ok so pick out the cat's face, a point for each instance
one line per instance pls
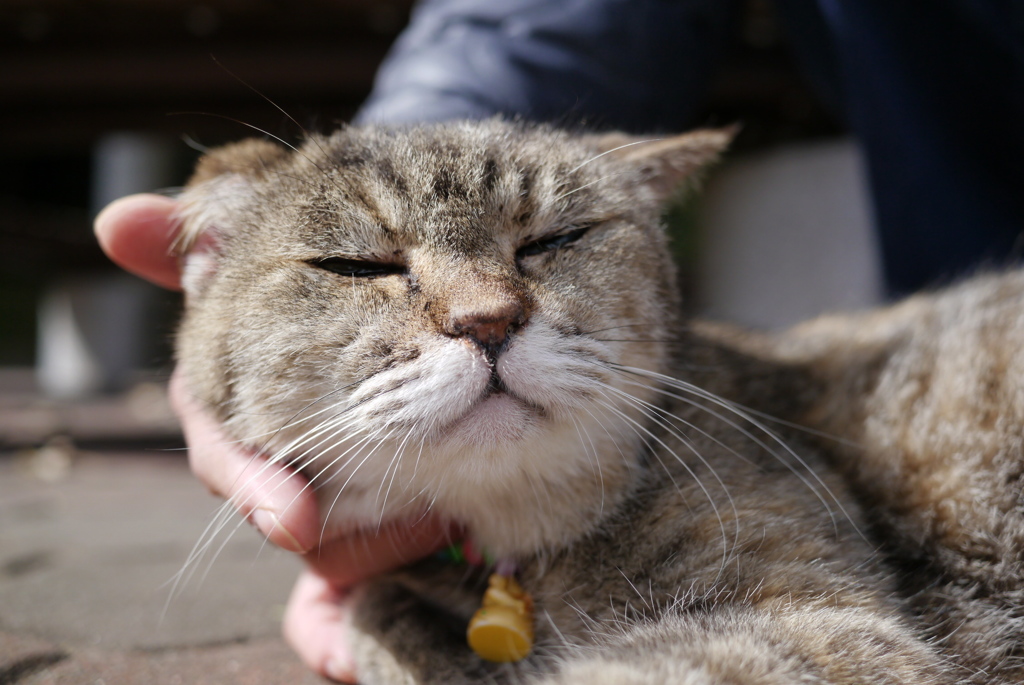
(442, 317)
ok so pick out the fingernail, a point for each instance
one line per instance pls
(270, 525)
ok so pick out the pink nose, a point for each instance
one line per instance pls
(488, 328)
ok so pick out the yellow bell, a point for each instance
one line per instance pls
(501, 630)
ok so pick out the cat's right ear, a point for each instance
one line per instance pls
(221, 185)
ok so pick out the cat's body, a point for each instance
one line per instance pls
(481, 320)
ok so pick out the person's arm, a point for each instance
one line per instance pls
(637, 65)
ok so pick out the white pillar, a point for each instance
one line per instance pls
(92, 328)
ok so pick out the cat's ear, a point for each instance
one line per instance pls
(667, 164)
(222, 183)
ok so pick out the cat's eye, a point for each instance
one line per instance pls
(357, 268)
(553, 243)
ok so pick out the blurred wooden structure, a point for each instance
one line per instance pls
(71, 69)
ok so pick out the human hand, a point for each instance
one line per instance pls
(137, 232)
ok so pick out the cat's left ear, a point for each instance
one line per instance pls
(668, 164)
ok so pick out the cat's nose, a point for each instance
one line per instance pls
(490, 327)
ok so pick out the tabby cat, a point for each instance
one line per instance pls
(481, 320)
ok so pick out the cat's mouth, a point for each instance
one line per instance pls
(496, 384)
(497, 415)
(497, 389)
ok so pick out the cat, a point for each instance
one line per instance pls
(481, 319)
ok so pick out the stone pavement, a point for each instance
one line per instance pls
(91, 532)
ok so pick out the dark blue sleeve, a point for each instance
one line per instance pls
(631, 64)
(934, 92)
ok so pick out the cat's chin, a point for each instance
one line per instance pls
(497, 419)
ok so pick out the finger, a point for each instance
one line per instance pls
(364, 554)
(137, 233)
(315, 625)
(274, 498)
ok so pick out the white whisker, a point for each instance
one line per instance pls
(742, 413)
(587, 185)
(644, 431)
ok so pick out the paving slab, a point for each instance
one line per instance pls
(256, 662)
(88, 554)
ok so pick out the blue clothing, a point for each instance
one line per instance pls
(934, 91)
